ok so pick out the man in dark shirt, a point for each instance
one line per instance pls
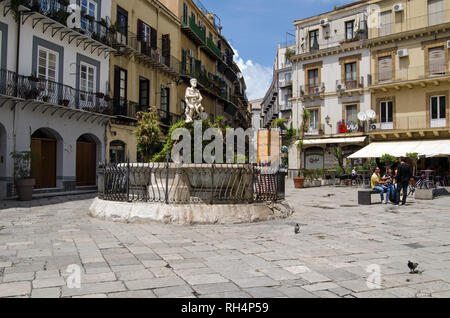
(403, 176)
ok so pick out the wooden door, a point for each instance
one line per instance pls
(86, 163)
(43, 163)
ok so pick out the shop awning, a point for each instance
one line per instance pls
(333, 141)
(427, 148)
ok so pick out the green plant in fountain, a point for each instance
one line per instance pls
(148, 134)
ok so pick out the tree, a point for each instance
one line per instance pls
(388, 160)
(339, 158)
(148, 134)
(414, 156)
(278, 122)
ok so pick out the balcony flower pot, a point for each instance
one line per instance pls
(32, 93)
(45, 98)
(299, 182)
(90, 18)
(100, 95)
(64, 102)
(33, 78)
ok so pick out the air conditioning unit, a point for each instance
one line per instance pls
(402, 53)
(324, 22)
(375, 126)
(448, 44)
(398, 7)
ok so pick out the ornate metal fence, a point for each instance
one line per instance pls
(190, 183)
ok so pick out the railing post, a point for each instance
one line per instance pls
(128, 178)
(212, 184)
(167, 177)
(252, 190)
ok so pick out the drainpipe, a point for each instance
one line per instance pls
(17, 79)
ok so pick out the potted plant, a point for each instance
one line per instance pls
(32, 93)
(90, 18)
(100, 95)
(33, 78)
(23, 180)
(299, 181)
(45, 98)
(64, 102)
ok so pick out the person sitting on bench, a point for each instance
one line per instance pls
(376, 184)
(388, 182)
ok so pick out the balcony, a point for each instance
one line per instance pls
(334, 40)
(208, 81)
(127, 108)
(285, 84)
(211, 47)
(143, 53)
(348, 127)
(349, 86)
(406, 76)
(411, 23)
(194, 31)
(167, 118)
(52, 95)
(317, 130)
(52, 15)
(312, 90)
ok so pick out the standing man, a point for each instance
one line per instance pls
(403, 176)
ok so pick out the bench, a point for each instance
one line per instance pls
(365, 196)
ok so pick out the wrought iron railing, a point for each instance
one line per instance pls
(190, 183)
(34, 88)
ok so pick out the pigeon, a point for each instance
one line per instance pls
(297, 229)
(412, 266)
(2, 227)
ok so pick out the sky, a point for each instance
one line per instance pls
(255, 27)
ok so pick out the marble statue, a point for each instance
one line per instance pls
(194, 108)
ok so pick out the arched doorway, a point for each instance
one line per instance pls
(117, 151)
(86, 160)
(46, 150)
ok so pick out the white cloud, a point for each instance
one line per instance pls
(257, 77)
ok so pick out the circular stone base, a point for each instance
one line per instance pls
(189, 213)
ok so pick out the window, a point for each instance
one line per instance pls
(287, 77)
(437, 111)
(144, 35)
(385, 23)
(349, 30)
(144, 95)
(313, 80)
(350, 75)
(386, 115)
(436, 61)
(436, 12)
(122, 23)
(47, 61)
(185, 14)
(314, 120)
(351, 114)
(314, 40)
(165, 95)
(120, 91)
(385, 69)
(87, 82)
(90, 9)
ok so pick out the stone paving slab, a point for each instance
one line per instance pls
(338, 242)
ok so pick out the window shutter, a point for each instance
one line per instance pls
(154, 39)
(166, 48)
(385, 69)
(436, 60)
(139, 30)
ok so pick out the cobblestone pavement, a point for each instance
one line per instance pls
(330, 257)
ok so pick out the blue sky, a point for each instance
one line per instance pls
(255, 27)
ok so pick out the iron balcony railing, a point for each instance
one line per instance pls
(199, 31)
(410, 24)
(312, 89)
(349, 126)
(213, 47)
(401, 121)
(332, 40)
(350, 84)
(171, 183)
(409, 74)
(167, 118)
(124, 107)
(208, 80)
(34, 88)
(57, 10)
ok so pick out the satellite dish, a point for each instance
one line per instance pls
(371, 114)
(362, 116)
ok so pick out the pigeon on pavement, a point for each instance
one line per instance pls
(297, 228)
(412, 266)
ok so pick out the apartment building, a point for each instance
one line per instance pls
(53, 82)
(145, 71)
(330, 74)
(410, 79)
(277, 101)
(256, 113)
(207, 56)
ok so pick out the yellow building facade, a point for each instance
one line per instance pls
(145, 71)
